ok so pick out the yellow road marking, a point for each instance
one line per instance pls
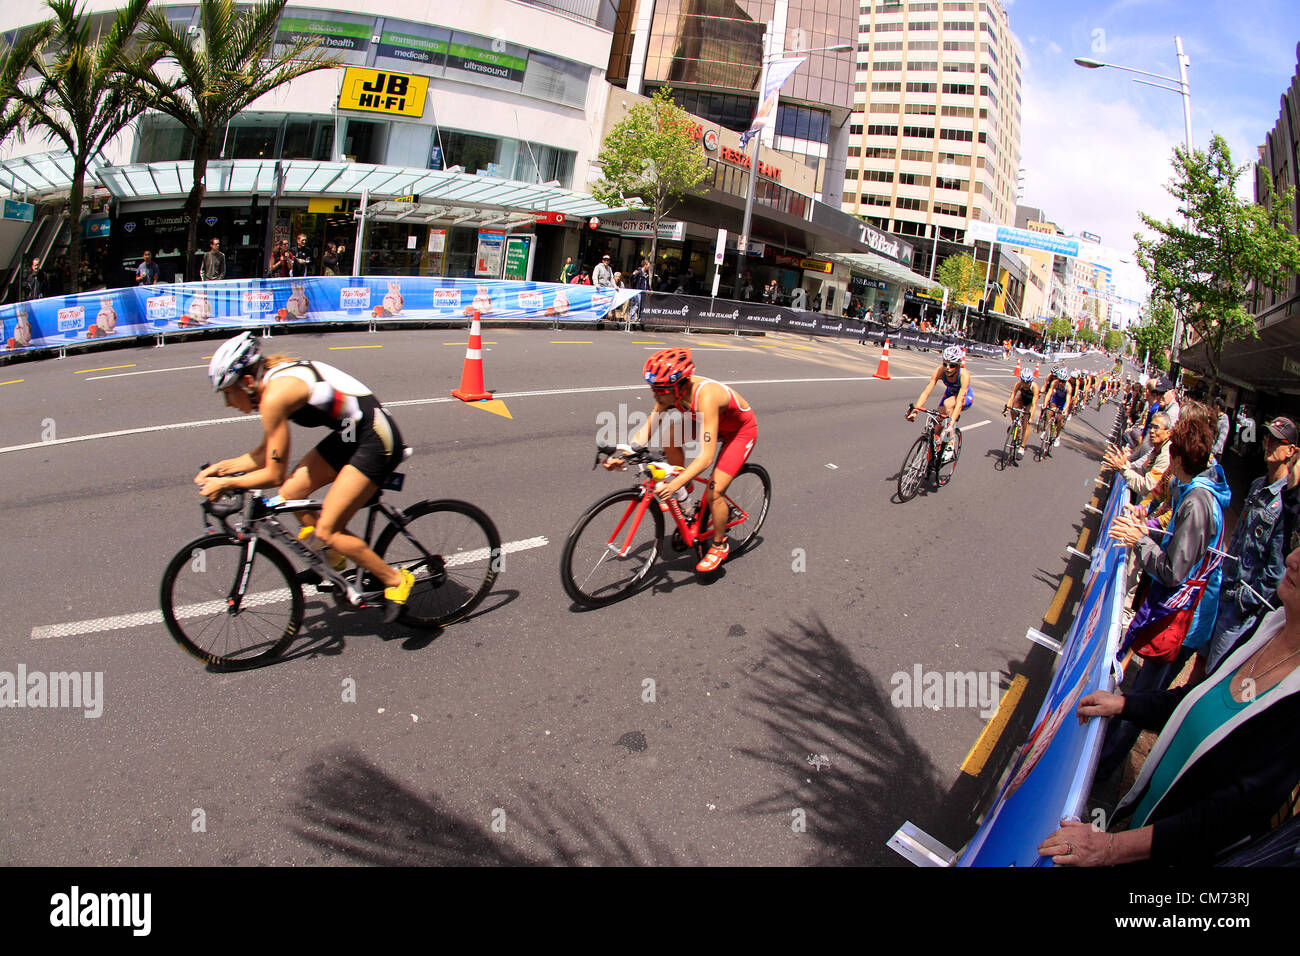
(493, 405)
(1083, 540)
(340, 348)
(12, 382)
(106, 368)
(988, 740)
(1058, 603)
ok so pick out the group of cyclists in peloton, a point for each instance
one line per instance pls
(1059, 398)
(364, 445)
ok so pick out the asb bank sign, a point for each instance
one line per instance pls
(382, 91)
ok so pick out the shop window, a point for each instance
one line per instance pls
(365, 142)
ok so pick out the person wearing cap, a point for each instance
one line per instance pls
(1221, 427)
(1168, 398)
(1258, 546)
(603, 274)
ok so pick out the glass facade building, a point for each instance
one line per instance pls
(710, 53)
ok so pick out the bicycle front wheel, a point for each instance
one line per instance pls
(1008, 448)
(454, 551)
(205, 615)
(915, 466)
(944, 471)
(609, 552)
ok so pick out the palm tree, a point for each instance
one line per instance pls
(60, 83)
(232, 65)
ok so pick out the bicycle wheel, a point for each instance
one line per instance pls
(593, 568)
(196, 593)
(457, 558)
(915, 466)
(944, 470)
(1008, 449)
(748, 497)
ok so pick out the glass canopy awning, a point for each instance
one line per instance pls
(878, 267)
(303, 177)
(50, 173)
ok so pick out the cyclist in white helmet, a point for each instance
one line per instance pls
(363, 447)
(1023, 397)
(958, 394)
(1057, 394)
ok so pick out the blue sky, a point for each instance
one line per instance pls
(1096, 147)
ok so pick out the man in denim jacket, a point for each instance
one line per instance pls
(1258, 544)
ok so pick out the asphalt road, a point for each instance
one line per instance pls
(524, 734)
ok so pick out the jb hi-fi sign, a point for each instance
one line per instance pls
(709, 139)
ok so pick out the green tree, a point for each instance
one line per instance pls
(651, 161)
(1058, 329)
(1113, 339)
(1088, 336)
(1154, 333)
(205, 82)
(61, 83)
(962, 278)
(1203, 265)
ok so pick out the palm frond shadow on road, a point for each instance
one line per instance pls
(816, 701)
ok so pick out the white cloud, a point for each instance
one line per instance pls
(1092, 164)
(1054, 48)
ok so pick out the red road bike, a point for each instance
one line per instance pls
(611, 549)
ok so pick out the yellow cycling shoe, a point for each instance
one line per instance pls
(396, 596)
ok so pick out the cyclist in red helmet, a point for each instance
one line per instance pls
(722, 418)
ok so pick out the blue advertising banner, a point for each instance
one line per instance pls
(1051, 776)
(238, 303)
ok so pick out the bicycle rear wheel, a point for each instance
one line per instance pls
(748, 497)
(455, 557)
(593, 568)
(1008, 449)
(196, 597)
(915, 466)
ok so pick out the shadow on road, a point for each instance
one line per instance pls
(348, 807)
(815, 702)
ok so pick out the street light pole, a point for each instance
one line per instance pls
(1184, 90)
(742, 243)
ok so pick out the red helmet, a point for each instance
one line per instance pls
(668, 367)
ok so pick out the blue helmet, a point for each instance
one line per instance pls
(1026, 375)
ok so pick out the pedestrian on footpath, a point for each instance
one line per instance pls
(214, 263)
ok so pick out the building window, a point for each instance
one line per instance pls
(924, 109)
(917, 155)
(893, 66)
(922, 87)
(917, 46)
(960, 89)
(923, 66)
(948, 209)
(921, 132)
(961, 135)
(884, 107)
(913, 179)
(959, 46)
(886, 87)
(881, 130)
(915, 205)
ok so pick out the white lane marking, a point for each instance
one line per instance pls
(259, 599)
(151, 371)
(966, 428)
(433, 401)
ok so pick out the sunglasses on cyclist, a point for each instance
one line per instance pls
(952, 365)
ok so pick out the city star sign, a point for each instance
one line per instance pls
(381, 91)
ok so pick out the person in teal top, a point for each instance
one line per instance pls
(1227, 758)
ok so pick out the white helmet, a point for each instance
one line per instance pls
(953, 353)
(232, 360)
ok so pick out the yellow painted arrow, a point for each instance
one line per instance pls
(493, 405)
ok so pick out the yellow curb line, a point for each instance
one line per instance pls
(988, 740)
(106, 368)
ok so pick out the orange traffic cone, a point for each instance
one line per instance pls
(1016, 373)
(882, 370)
(471, 377)
(1037, 366)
